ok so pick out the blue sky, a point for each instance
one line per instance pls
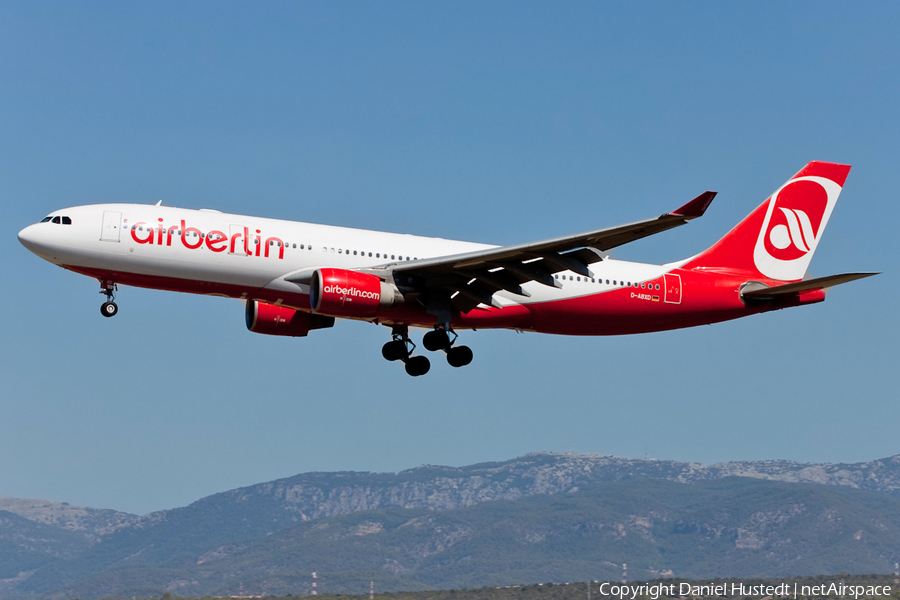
(496, 122)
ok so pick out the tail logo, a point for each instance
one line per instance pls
(796, 214)
(795, 233)
(795, 220)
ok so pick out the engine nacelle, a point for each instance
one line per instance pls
(346, 293)
(269, 319)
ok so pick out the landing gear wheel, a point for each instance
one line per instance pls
(436, 340)
(417, 365)
(459, 356)
(108, 288)
(394, 350)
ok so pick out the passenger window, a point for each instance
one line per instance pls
(370, 255)
(377, 255)
(642, 285)
(354, 253)
(339, 250)
(392, 257)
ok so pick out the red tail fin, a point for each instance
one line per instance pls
(778, 239)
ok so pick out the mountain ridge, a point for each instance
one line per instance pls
(731, 527)
(879, 475)
(488, 484)
(165, 539)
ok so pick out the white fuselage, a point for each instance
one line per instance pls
(237, 252)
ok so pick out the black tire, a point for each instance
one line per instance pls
(459, 356)
(394, 350)
(436, 340)
(109, 309)
(417, 365)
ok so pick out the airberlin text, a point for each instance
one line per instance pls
(244, 241)
(351, 292)
(783, 590)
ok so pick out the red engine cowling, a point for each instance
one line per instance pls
(269, 319)
(346, 293)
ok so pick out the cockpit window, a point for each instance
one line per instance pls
(66, 221)
(55, 220)
(45, 219)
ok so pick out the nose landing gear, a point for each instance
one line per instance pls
(439, 339)
(108, 308)
(401, 348)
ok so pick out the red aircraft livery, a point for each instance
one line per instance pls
(297, 277)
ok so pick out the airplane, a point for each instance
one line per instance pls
(298, 277)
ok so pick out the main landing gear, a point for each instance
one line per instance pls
(108, 308)
(401, 348)
(439, 339)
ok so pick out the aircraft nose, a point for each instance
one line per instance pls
(28, 237)
(35, 238)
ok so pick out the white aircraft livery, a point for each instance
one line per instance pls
(298, 277)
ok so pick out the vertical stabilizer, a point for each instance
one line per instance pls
(778, 239)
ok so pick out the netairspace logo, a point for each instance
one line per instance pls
(783, 590)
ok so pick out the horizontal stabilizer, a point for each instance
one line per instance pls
(757, 291)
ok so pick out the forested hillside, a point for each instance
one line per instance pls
(537, 518)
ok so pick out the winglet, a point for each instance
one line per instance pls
(696, 207)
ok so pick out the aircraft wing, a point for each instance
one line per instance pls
(471, 278)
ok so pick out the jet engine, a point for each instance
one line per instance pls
(269, 319)
(346, 293)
